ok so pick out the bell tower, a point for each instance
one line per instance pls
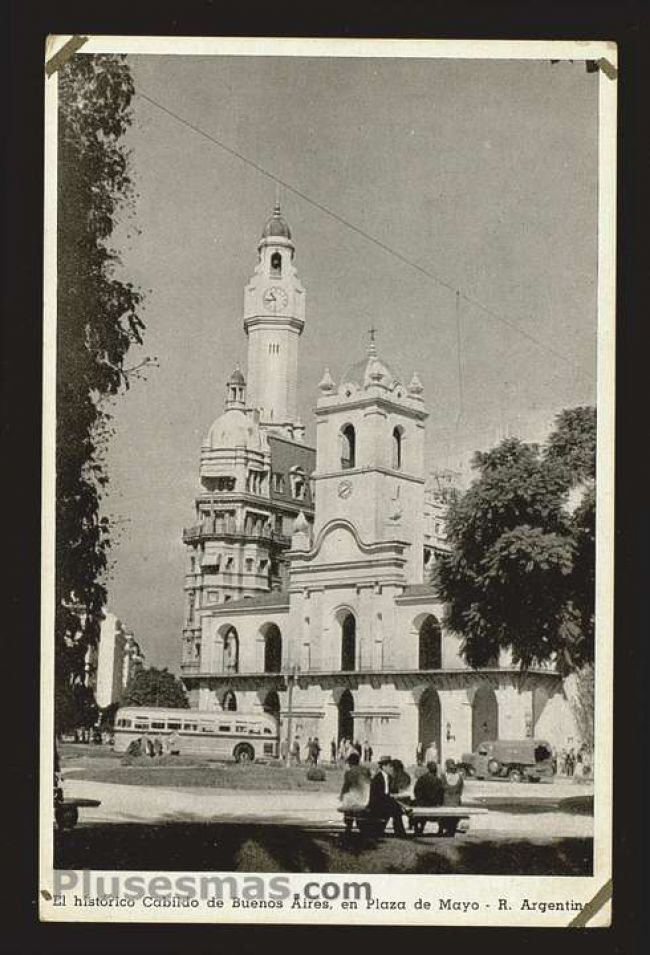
(274, 317)
(370, 457)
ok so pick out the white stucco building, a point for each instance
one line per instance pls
(353, 623)
(114, 661)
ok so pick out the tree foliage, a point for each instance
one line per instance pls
(521, 574)
(97, 323)
(153, 687)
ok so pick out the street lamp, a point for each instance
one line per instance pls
(291, 677)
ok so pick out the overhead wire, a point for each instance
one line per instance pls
(497, 316)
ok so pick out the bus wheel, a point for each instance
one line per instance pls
(515, 776)
(244, 753)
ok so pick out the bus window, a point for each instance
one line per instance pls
(141, 726)
(225, 728)
(190, 726)
(159, 725)
(207, 727)
(171, 725)
(125, 723)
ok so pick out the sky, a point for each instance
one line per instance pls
(481, 173)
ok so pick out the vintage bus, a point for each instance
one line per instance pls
(243, 737)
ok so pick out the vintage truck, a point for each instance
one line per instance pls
(516, 759)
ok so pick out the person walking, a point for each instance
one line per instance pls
(308, 751)
(419, 753)
(284, 749)
(295, 750)
(428, 791)
(333, 751)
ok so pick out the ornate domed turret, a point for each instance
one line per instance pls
(371, 370)
(277, 226)
(236, 389)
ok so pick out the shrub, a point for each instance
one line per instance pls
(316, 775)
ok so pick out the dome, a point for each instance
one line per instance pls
(237, 377)
(370, 370)
(235, 429)
(276, 226)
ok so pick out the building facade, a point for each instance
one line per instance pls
(115, 660)
(347, 641)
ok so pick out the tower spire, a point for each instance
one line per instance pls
(276, 211)
(372, 348)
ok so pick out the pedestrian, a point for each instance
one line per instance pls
(157, 747)
(419, 753)
(431, 755)
(315, 750)
(295, 750)
(365, 751)
(308, 751)
(333, 751)
(284, 749)
(370, 751)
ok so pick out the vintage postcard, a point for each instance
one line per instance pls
(327, 630)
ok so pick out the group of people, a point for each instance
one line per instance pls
(572, 763)
(145, 746)
(307, 751)
(339, 753)
(385, 795)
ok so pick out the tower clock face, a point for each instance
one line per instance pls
(275, 299)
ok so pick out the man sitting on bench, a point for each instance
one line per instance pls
(382, 805)
(428, 791)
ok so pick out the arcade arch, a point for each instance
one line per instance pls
(485, 715)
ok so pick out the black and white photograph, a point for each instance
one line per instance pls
(328, 481)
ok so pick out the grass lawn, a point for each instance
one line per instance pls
(171, 772)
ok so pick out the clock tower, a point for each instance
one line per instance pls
(274, 317)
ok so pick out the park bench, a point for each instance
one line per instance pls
(66, 811)
(448, 819)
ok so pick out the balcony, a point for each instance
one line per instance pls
(227, 530)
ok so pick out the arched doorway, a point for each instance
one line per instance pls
(430, 644)
(349, 643)
(271, 704)
(229, 701)
(231, 651)
(429, 726)
(485, 716)
(272, 649)
(346, 723)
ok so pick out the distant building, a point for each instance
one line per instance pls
(115, 660)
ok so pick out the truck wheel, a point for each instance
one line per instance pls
(494, 767)
(244, 753)
(515, 775)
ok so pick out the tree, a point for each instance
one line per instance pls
(520, 574)
(97, 323)
(152, 687)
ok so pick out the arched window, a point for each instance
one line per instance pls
(231, 652)
(229, 702)
(348, 447)
(349, 644)
(430, 645)
(397, 449)
(272, 649)
(276, 264)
